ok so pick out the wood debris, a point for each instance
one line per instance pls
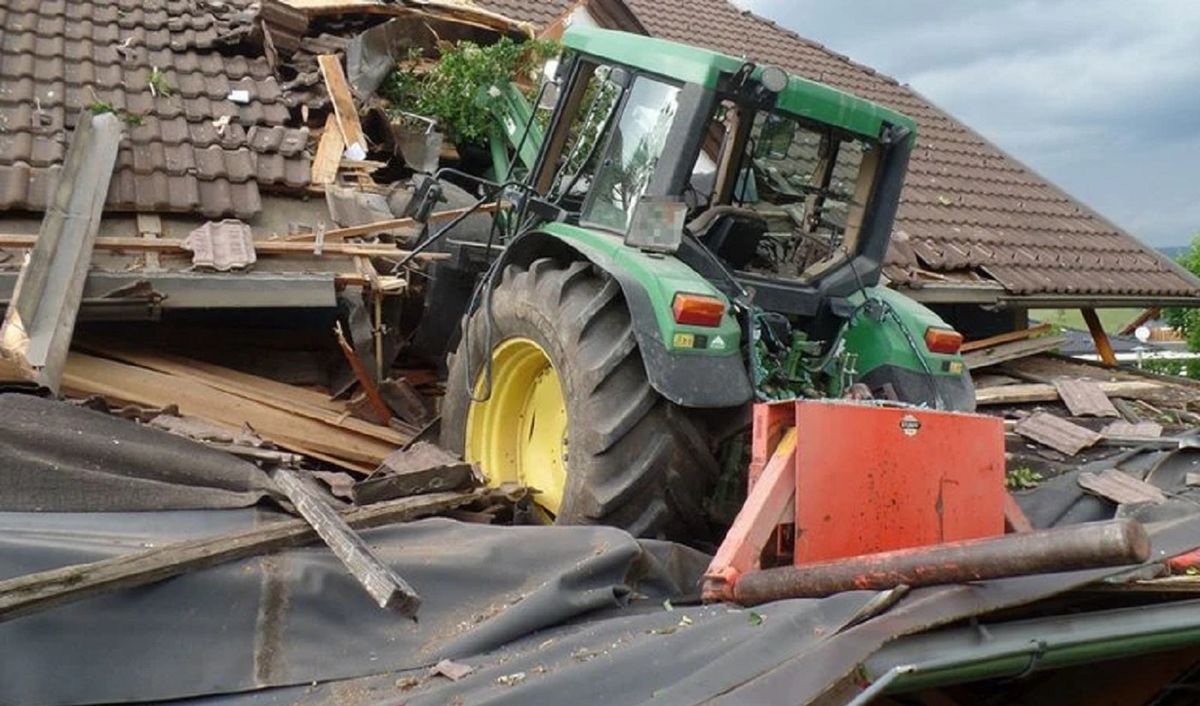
(1057, 433)
(422, 468)
(388, 589)
(293, 418)
(40, 591)
(1004, 352)
(1120, 488)
(1039, 392)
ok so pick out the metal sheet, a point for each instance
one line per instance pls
(924, 477)
(40, 318)
(1057, 433)
(1085, 398)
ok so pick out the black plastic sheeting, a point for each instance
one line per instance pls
(545, 615)
(297, 618)
(58, 457)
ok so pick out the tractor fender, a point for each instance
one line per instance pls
(688, 380)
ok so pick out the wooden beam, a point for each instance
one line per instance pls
(363, 376)
(1099, 337)
(150, 226)
(1005, 338)
(343, 104)
(329, 153)
(384, 226)
(1040, 392)
(40, 591)
(261, 247)
(388, 589)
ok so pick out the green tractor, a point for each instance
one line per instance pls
(688, 234)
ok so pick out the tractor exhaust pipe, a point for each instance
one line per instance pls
(1086, 546)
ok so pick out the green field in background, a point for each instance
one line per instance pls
(1112, 319)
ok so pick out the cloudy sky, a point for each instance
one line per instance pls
(1101, 97)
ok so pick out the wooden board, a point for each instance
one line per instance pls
(40, 591)
(1039, 392)
(309, 403)
(1005, 338)
(343, 102)
(290, 429)
(261, 247)
(387, 225)
(993, 355)
(329, 153)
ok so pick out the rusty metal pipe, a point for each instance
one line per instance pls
(1086, 546)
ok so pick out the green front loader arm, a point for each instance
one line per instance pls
(513, 128)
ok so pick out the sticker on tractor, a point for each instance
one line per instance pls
(910, 425)
(718, 343)
(954, 366)
(684, 340)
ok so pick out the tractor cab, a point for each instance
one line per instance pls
(791, 184)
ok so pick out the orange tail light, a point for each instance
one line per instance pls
(697, 310)
(941, 340)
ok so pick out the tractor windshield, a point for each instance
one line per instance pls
(633, 148)
(810, 186)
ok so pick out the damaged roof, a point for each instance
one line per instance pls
(170, 67)
(971, 216)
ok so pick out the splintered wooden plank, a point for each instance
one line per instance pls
(329, 153)
(1005, 338)
(40, 591)
(1085, 398)
(1120, 488)
(291, 430)
(388, 589)
(343, 104)
(1057, 433)
(983, 357)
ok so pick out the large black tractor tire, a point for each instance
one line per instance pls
(635, 460)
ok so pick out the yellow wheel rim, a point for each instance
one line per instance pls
(520, 433)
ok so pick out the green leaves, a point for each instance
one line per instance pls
(455, 91)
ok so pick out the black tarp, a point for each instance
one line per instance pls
(55, 456)
(296, 618)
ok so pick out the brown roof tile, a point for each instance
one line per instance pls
(968, 210)
(57, 57)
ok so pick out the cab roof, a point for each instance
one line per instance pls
(682, 62)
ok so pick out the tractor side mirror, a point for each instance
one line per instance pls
(657, 225)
